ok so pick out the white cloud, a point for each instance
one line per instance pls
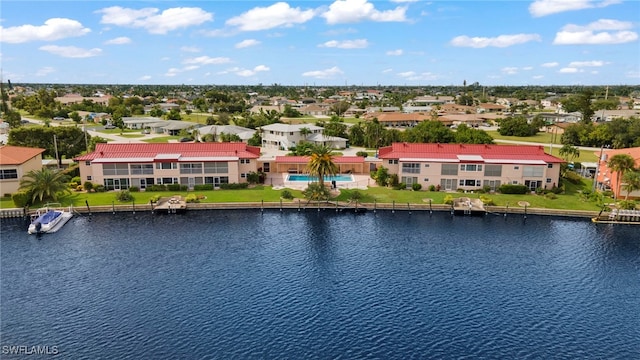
(509, 70)
(206, 60)
(500, 41)
(547, 7)
(324, 74)
(71, 51)
(577, 64)
(154, 21)
(569, 70)
(346, 44)
(403, 1)
(175, 71)
(247, 43)
(144, 77)
(550, 64)
(601, 32)
(277, 15)
(118, 41)
(247, 73)
(351, 11)
(53, 29)
(45, 71)
(396, 52)
(190, 49)
(385, 71)
(413, 76)
(537, 77)
(527, 68)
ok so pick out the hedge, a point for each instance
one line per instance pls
(513, 189)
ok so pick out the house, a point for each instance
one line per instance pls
(469, 167)
(490, 108)
(398, 119)
(217, 130)
(315, 110)
(607, 179)
(121, 166)
(15, 161)
(159, 126)
(284, 136)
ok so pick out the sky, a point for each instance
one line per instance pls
(321, 43)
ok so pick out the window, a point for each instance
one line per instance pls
(245, 161)
(138, 169)
(548, 180)
(449, 169)
(216, 168)
(469, 182)
(115, 169)
(88, 163)
(166, 166)
(243, 175)
(89, 178)
(532, 171)
(8, 174)
(515, 182)
(167, 180)
(516, 167)
(393, 161)
(493, 170)
(550, 166)
(470, 167)
(411, 168)
(191, 168)
(426, 165)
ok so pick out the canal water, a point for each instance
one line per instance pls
(310, 284)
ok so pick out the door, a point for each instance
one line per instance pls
(192, 183)
(116, 184)
(143, 184)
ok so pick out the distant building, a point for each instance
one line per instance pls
(608, 179)
(15, 162)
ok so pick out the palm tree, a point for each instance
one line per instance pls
(44, 184)
(304, 132)
(569, 152)
(321, 163)
(620, 164)
(631, 182)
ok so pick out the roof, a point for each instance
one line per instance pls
(149, 152)
(17, 155)
(468, 152)
(289, 127)
(305, 159)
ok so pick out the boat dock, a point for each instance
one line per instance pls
(616, 216)
(468, 206)
(170, 205)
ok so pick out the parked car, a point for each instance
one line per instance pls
(186, 139)
(109, 126)
(146, 131)
(58, 118)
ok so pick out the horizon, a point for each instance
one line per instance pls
(343, 43)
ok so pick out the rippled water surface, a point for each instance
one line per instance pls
(303, 285)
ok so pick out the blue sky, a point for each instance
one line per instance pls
(342, 42)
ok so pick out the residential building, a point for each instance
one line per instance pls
(284, 136)
(121, 166)
(15, 162)
(469, 167)
(218, 130)
(607, 179)
(299, 164)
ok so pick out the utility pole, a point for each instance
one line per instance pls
(595, 176)
(55, 146)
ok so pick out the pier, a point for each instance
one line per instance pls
(468, 206)
(171, 205)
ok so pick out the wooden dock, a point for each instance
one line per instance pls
(468, 206)
(170, 205)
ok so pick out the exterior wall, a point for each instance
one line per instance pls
(10, 186)
(273, 139)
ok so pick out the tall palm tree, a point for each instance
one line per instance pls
(631, 181)
(620, 164)
(44, 184)
(321, 163)
(569, 152)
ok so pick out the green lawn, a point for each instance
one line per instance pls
(545, 138)
(162, 139)
(132, 136)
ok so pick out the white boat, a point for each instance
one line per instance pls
(49, 219)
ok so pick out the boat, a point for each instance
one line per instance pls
(618, 216)
(49, 219)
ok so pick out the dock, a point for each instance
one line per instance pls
(170, 205)
(468, 206)
(618, 216)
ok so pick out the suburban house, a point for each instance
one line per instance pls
(15, 161)
(469, 167)
(607, 179)
(285, 136)
(121, 166)
(217, 130)
(398, 119)
(158, 126)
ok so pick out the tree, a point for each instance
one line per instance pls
(631, 182)
(44, 184)
(340, 108)
(304, 132)
(517, 126)
(316, 192)
(321, 163)
(620, 164)
(569, 152)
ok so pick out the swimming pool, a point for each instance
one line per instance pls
(309, 178)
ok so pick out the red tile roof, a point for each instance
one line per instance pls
(16, 155)
(187, 150)
(305, 159)
(451, 152)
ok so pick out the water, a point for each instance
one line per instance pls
(308, 178)
(322, 285)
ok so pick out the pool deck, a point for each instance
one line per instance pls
(279, 181)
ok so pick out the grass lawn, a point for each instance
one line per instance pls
(162, 139)
(545, 138)
(132, 136)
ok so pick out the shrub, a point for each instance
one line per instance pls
(154, 198)
(234, 186)
(627, 205)
(76, 179)
(416, 187)
(253, 177)
(176, 187)
(460, 190)
(88, 185)
(551, 196)
(355, 195)
(487, 200)
(192, 198)
(607, 193)
(362, 153)
(21, 198)
(573, 177)
(99, 188)
(513, 189)
(286, 194)
(124, 196)
(157, 187)
(316, 192)
(134, 189)
(448, 199)
(432, 188)
(203, 187)
(400, 186)
(79, 188)
(486, 188)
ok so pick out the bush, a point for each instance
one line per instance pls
(400, 186)
(487, 200)
(203, 187)
(234, 186)
(75, 179)
(432, 188)
(627, 205)
(364, 154)
(551, 196)
(100, 188)
(157, 187)
(177, 187)
(607, 193)
(416, 187)
(124, 196)
(573, 177)
(88, 185)
(316, 192)
(513, 189)
(79, 188)
(21, 198)
(154, 199)
(355, 195)
(286, 194)
(192, 198)
(134, 189)
(448, 199)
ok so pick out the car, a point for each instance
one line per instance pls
(58, 118)
(109, 126)
(23, 121)
(186, 139)
(146, 131)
